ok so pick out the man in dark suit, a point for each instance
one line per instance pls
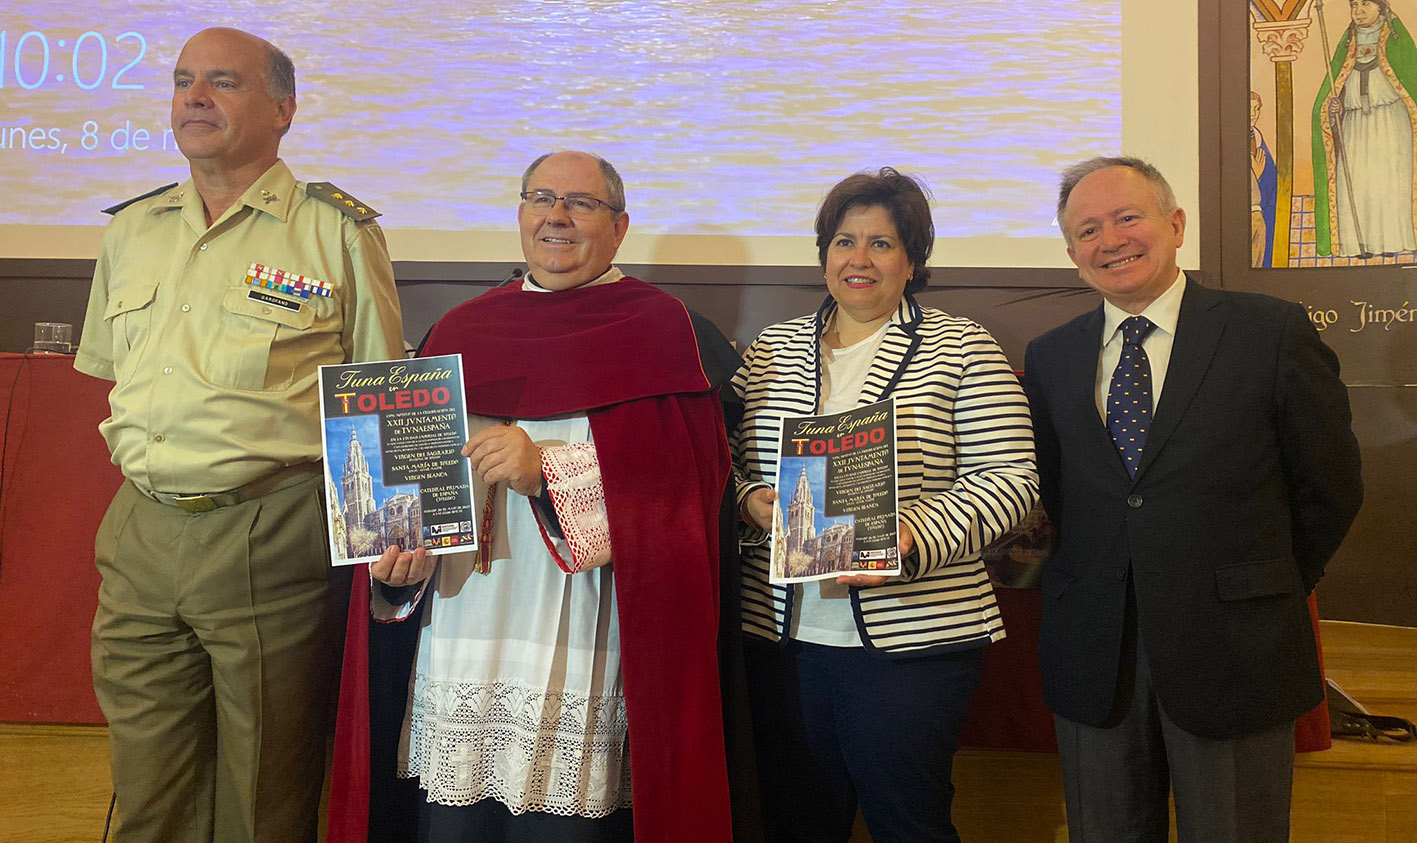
(1176, 645)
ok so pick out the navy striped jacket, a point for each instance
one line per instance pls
(965, 462)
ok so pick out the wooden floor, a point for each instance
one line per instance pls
(54, 780)
(1356, 792)
(56, 783)
(1360, 792)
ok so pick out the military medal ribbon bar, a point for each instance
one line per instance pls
(290, 283)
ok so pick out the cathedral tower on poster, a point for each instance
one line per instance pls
(357, 487)
(801, 515)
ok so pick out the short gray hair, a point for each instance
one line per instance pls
(614, 185)
(280, 73)
(1165, 196)
(280, 76)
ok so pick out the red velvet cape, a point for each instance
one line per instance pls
(624, 354)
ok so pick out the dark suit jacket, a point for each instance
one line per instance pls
(1248, 482)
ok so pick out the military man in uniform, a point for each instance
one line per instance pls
(213, 303)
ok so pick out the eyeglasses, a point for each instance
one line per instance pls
(540, 202)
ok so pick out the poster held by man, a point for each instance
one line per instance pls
(392, 436)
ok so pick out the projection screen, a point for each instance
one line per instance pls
(728, 119)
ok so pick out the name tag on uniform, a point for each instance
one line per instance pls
(267, 298)
(290, 283)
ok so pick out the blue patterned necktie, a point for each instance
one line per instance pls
(1129, 395)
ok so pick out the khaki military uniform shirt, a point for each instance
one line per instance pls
(214, 387)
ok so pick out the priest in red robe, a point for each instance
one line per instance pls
(567, 681)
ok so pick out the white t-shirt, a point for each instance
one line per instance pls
(823, 612)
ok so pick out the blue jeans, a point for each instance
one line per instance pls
(838, 725)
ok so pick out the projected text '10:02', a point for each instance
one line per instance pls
(30, 60)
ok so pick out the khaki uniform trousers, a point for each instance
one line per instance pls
(212, 661)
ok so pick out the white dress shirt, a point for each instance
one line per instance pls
(1163, 313)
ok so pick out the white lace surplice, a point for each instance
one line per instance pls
(517, 692)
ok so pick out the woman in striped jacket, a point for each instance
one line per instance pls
(859, 685)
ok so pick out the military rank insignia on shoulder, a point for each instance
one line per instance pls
(348, 205)
(113, 209)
